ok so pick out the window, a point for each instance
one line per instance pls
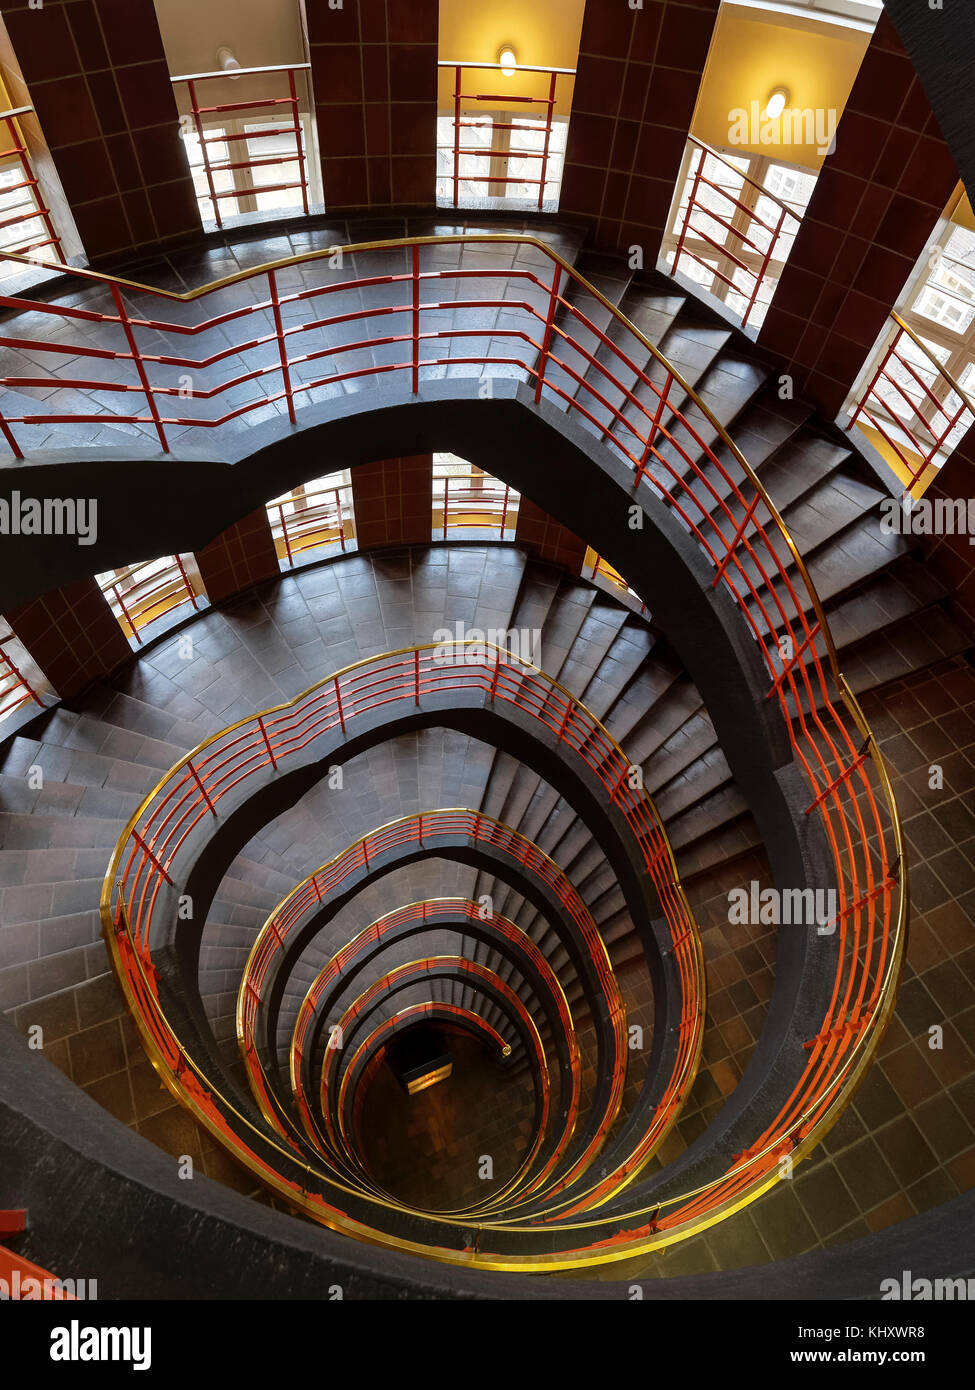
(266, 157)
(903, 395)
(26, 224)
(602, 572)
(734, 224)
(21, 681)
(467, 499)
(141, 594)
(317, 516)
(473, 169)
(497, 157)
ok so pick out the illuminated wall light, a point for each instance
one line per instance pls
(428, 1079)
(777, 103)
(227, 62)
(508, 59)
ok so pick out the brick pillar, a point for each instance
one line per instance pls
(239, 557)
(96, 72)
(393, 501)
(874, 207)
(374, 71)
(72, 634)
(638, 77)
(547, 540)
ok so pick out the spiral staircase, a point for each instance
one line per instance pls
(299, 811)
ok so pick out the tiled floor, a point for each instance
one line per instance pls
(427, 1149)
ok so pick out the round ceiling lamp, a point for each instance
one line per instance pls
(508, 59)
(777, 102)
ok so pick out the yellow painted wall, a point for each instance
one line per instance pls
(262, 33)
(962, 210)
(544, 33)
(753, 52)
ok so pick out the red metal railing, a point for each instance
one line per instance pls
(756, 240)
(474, 502)
(15, 689)
(196, 786)
(16, 214)
(311, 517)
(138, 599)
(418, 970)
(723, 505)
(431, 912)
(23, 1280)
(918, 408)
(499, 101)
(427, 829)
(245, 186)
(602, 569)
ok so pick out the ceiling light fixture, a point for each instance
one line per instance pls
(227, 61)
(508, 59)
(777, 102)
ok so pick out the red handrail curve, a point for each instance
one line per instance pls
(422, 968)
(719, 501)
(430, 912)
(449, 1013)
(312, 522)
(428, 828)
(135, 594)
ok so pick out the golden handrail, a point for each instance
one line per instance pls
(857, 1060)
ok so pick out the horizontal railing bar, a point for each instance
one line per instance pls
(241, 72)
(497, 67)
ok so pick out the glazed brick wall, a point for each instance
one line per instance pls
(952, 558)
(393, 501)
(546, 539)
(873, 210)
(238, 558)
(72, 634)
(638, 77)
(97, 75)
(374, 71)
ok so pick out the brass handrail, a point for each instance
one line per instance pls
(552, 979)
(867, 1043)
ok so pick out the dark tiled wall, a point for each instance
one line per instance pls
(952, 558)
(874, 207)
(393, 501)
(72, 634)
(374, 70)
(89, 1035)
(238, 558)
(546, 539)
(638, 77)
(96, 73)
